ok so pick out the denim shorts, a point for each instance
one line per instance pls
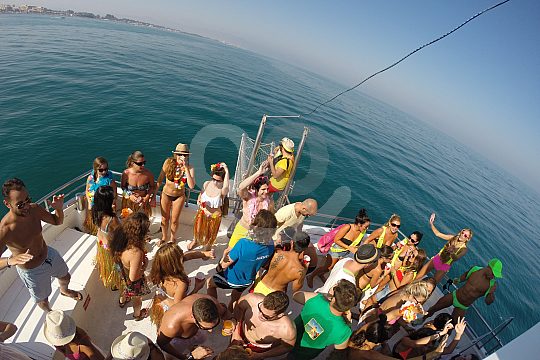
(38, 280)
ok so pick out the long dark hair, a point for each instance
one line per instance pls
(361, 218)
(104, 198)
(130, 234)
(377, 332)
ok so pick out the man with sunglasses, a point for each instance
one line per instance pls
(20, 231)
(185, 324)
(263, 326)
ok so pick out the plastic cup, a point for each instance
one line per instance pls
(227, 326)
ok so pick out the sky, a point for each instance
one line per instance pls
(480, 85)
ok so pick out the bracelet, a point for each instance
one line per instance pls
(190, 357)
(7, 261)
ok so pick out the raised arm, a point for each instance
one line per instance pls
(225, 189)
(436, 231)
(190, 175)
(242, 188)
(57, 204)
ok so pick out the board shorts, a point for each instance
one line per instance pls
(38, 280)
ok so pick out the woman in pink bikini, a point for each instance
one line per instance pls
(454, 249)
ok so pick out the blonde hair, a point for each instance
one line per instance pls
(393, 217)
(132, 157)
(418, 289)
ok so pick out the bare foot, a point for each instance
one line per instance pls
(192, 244)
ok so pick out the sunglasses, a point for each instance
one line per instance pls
(395, 225)
(465, 235)
(22, 204)
(199, 325)
(216, 180)
(139, 163)
(266, 317)
(103, 170)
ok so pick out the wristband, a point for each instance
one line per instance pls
(190, 357)
(7, 261)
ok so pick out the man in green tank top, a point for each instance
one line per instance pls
(324, 320)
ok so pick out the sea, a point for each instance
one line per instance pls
(72, 89)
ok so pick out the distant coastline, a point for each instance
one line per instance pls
(40, 10)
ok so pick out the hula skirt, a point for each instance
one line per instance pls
(206, 228)
(108, 272)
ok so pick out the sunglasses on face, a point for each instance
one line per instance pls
(395, 225)
(139, 163)
(465, 235)
(217, 180)
(103, 170)
(204, 328)
(266, 317)
(22, 204)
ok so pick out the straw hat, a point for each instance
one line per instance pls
(287, 144)
(181, 149)
(59, 328)
(130, 346)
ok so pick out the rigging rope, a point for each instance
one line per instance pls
(406, 56)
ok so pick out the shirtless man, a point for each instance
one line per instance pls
(20, 231)
(285, 267)
(263, 326)
(183, 326)
(479, 282)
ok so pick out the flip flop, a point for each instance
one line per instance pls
(78, 297)
(122, 304)
(142, 314)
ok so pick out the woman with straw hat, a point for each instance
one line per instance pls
(72, 341)
(177, 174)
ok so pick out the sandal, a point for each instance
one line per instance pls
(122, 304)
(142, 314)
(78, 296)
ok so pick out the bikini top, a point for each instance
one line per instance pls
(211, 202)
(106, 230)
(455, 253)
(144, 187)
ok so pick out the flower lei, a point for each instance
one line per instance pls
(215, 166)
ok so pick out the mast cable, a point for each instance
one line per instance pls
(406, 56)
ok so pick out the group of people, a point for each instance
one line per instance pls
(373, 278)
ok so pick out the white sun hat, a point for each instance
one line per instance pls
(130, 346)
(59, 328)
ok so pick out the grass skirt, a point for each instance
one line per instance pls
(89, 225)
(205, 228)
(108, 273)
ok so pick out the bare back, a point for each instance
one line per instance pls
(259, 331)
(284, 268)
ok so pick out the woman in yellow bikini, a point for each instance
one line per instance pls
(387, 234)
(138, 185)
(177, 174)
(454, 249)
(211, 199)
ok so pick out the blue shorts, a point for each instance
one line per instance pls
(38, 280)
(338, 254)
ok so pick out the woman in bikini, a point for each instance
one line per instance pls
(387, 234)
(169, 275)
(254, 194)
(100, 176)
(454, 249)
(105, 220)
(210, 201)
(127, 245)
(346, 242)
(177, 174)
(369, 278)
(138, 185)
(405, 270)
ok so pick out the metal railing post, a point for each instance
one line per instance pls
(287, 189)
(256, 146)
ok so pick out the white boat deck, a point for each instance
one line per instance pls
(99, 313)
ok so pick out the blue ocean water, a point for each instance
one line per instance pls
(72, 89)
